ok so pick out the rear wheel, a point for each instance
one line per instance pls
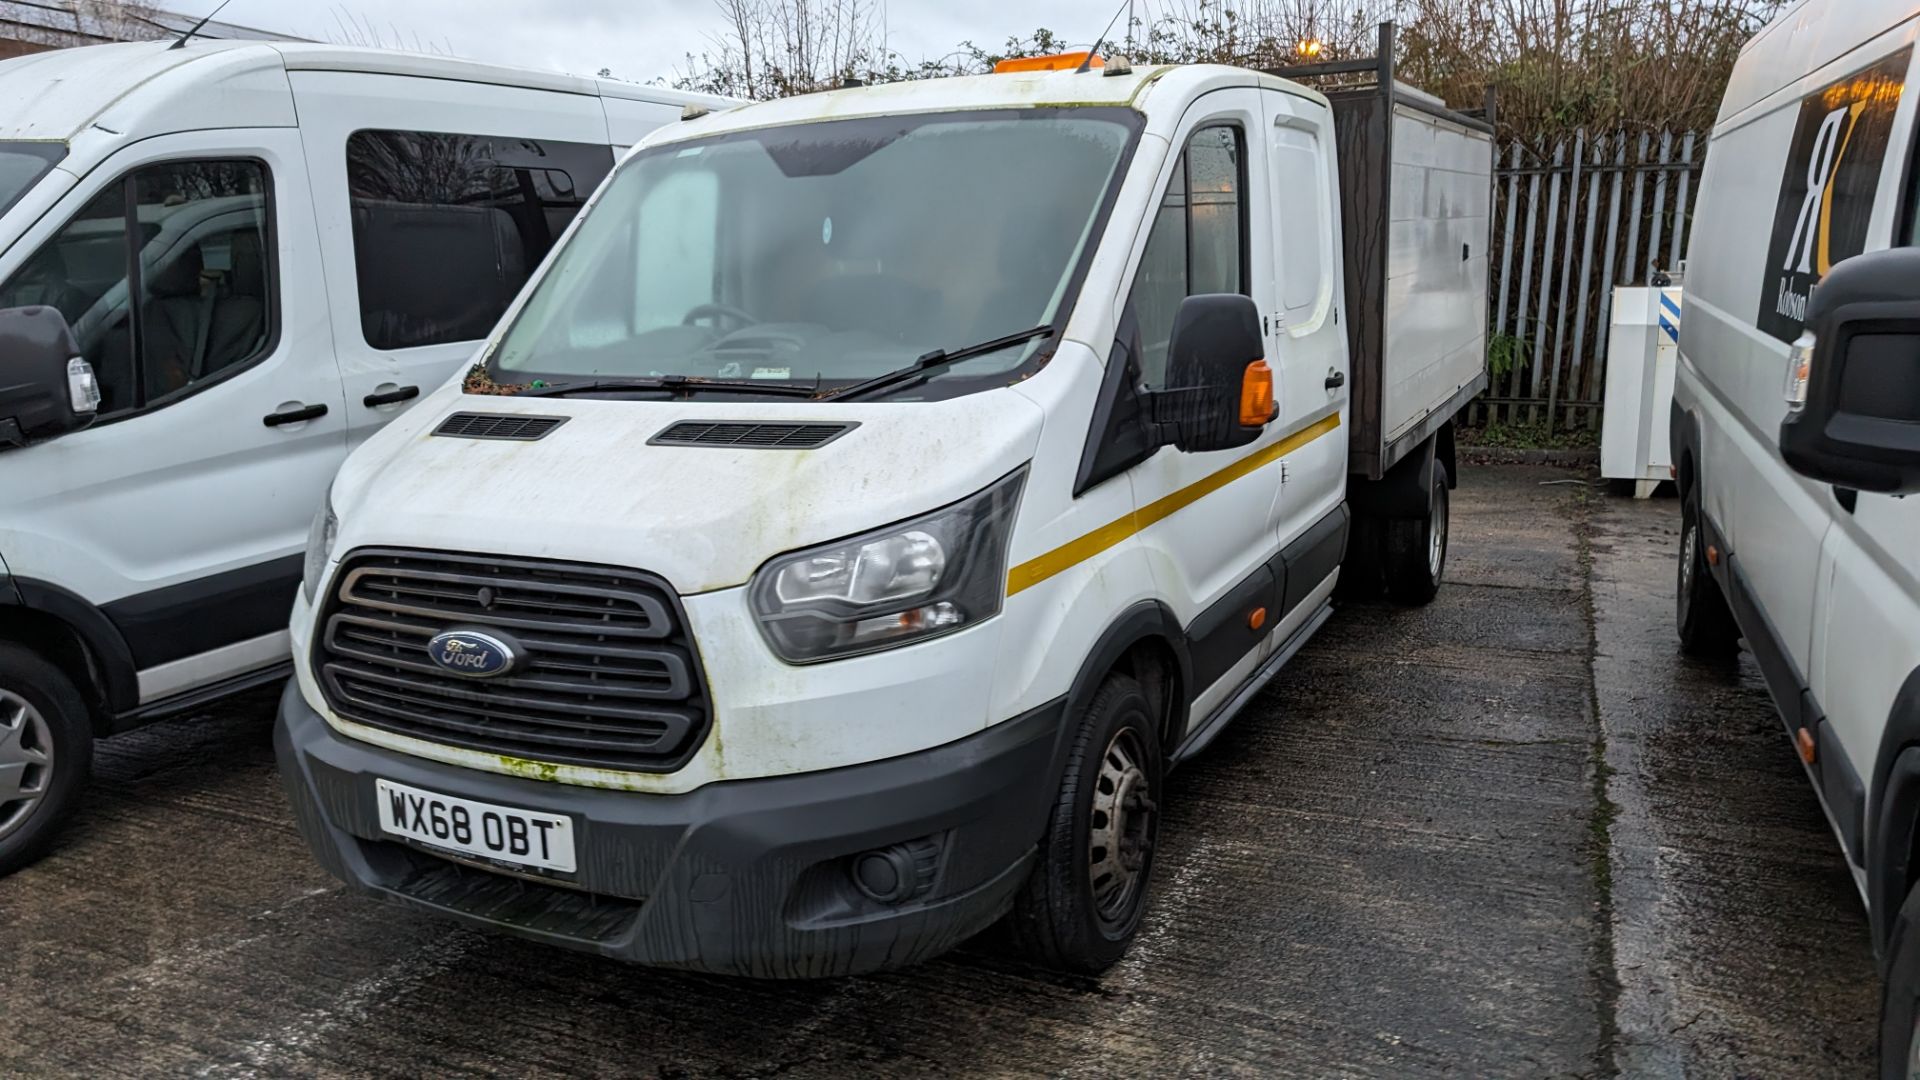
(46, 751)
(1416, 548)
(1706, 625)
(1082, 905)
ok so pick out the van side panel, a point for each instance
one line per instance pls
(1762, 171)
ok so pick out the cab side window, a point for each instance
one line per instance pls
(447, 227)
(1198, 243)
(165, 278)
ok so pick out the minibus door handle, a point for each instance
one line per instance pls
(390, 397)
(294, 415)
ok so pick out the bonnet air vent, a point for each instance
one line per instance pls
(468, 425)
(750, 436)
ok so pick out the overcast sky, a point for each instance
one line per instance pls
(638, 39)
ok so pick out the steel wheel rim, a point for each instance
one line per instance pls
(1437, 535)
(1120, 833)
(26, 760)
(1913, 1050)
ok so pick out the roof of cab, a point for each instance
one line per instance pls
(1012, 90)
(54, 95)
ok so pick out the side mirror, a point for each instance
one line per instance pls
(1219, 391)
(46, 389)
(1853, 379)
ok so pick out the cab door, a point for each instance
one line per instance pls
(184, 266)
(1307, 350)
(435, 200)
(1206, 516)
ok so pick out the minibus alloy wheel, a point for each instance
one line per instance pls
(1084, 899)
(46, 751)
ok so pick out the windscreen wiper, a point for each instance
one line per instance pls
(675, 384)
(936, 358)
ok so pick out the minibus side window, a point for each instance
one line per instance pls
(448, 227)
(1198, 243)
(202, 280)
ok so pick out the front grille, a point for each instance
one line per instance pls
(467, 425)
(750, 436)
(610, 679)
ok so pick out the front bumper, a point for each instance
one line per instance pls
(746, 877)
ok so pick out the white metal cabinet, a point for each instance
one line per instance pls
(1643, 354)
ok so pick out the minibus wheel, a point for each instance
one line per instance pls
(1707, 629)
(1900, 995)
(1082, 905)
(46, 752)
(1416, 548)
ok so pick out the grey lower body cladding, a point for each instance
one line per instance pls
(747, 877)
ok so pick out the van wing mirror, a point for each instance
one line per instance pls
(1853, 381)
(46, 388)
(1219, 390)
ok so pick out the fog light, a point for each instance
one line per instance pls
(896, 874)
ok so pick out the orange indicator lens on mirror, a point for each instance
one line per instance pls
(1256, 396)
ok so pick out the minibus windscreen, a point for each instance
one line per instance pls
(827, 253)
(22, 164)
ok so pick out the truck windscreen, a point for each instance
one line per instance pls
(826, 252)
(22, 164)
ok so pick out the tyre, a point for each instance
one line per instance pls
(1705, 622)
(46, 752)
(1416, 548)
(1082, 904)
(1900, 996)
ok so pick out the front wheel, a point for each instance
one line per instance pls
(1900, 996)
(46, 752)
(1706, 624)
(1416, 548)
(1082, 905)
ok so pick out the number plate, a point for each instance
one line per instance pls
(522, 837)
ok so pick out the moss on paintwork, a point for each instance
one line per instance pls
(532, 770)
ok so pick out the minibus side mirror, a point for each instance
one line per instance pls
(46, 389)
(1219, 390)
(1853, 380)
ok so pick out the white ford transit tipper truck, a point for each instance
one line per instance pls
(262, 252)
(1796, 434)
(872, 498)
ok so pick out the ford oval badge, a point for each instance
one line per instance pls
(471, 653)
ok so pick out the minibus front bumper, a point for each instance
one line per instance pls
(755, 877)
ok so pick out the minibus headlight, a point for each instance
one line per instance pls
(320, 537)
(907, 582)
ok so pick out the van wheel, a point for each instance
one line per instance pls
(1082, 905)
(1900, 995)
(1417, 548)
(46, 752)
(1707, 629)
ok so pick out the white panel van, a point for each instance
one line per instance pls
(872, 498)
(263, 252)
(1796, 434)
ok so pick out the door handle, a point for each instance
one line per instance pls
(294, 416)
(391, 397)
(1336, 379)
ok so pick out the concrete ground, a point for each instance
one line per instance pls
(1511, 834)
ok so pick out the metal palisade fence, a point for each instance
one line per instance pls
(1573, 218)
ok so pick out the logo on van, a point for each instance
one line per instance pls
(1826, 195)
(471, 653)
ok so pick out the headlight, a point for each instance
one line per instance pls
(907, 582)
(320, 537)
